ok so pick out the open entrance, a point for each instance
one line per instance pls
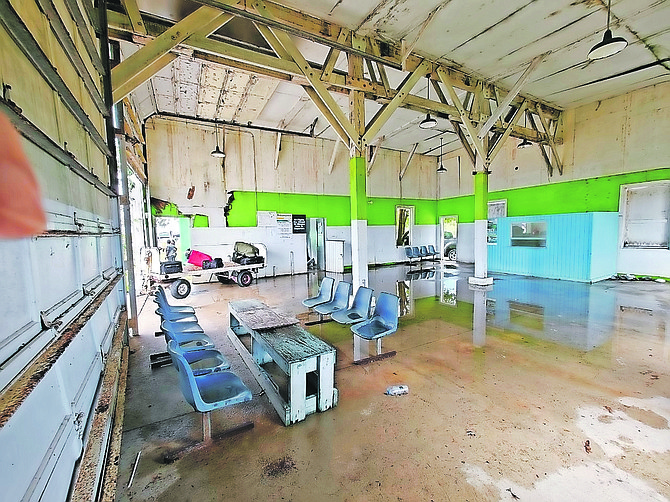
(449, 237)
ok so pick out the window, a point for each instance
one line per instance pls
(646, 216)
(529, 234)
(403, 225)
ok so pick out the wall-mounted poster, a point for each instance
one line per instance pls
(492, 232)
(266, 218)
(285, 225)
(299, 224)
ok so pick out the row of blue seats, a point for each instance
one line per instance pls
(420, 252)
(204, 376)
(382, 321)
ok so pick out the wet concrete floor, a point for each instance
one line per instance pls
(536, 390)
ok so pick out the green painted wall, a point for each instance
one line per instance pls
(580, 196)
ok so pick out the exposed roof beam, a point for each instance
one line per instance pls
(325, 99)
(327, 33)
(547, 161)
(409, 159)
(387, 110)
(510, 97)
(469, 127)
(331, 164)
(375, 150)
(550, 138)
(269, 65)
(497, 146)
(133, 71)
(135, 16)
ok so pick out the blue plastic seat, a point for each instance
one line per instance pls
(181, 326)
(161, 299)
(201, 361)
(188, 341)
(416, 252)
(360, 308)
(168, 315)
(431, 251)
(423, 250)
(409, 253)
(340, 300)
(209, 392)
(325, 293)
(384, 320)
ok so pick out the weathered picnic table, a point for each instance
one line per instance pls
(307, 362)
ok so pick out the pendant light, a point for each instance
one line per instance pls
(525, 143)
(609, 46)
(217, 152)
(429, 122)
(441, 169)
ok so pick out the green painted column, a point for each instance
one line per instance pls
(481, 196)
(481, 180)
(358, 191)
(359, 220)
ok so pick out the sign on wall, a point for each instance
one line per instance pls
(299, 224)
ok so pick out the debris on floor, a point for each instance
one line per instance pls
(470, 433)
(587, 446)
(279, 467)
(397, 390)
(514, 496)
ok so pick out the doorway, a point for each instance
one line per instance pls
(316, 244)
(449, 237)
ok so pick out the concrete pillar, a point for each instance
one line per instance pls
(359, 221)
(481, 216)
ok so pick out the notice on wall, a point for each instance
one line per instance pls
(266, 218)
(299, 224)
(285, 225)
(492, 232)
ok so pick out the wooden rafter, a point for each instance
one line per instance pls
(133, 12)
(547, 161)
(376, 146)
(324, 78)
(387, 110)
(550, 138)
(511, 95)
(143, 64)
(321, 96)
(409, 159)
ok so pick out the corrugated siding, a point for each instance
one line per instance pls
(567, 254)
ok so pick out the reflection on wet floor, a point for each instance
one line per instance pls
(548, 390)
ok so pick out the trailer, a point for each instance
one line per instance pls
(180, 282)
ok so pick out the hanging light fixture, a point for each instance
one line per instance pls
(217, 152)
(429, 122)
(524, 143)
(609, 46)
(441, 169)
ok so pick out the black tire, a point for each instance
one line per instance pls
(451, 254)
(223, 279)
(180, 288)
(244, 278)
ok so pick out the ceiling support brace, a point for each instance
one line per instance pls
(376, 146)
(409, 159)
(550, 138)
(143, 64)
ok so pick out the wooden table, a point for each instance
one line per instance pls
(301, 356)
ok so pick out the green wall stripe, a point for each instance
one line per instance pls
(579, 196)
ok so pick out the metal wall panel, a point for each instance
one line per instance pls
(567, 254)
